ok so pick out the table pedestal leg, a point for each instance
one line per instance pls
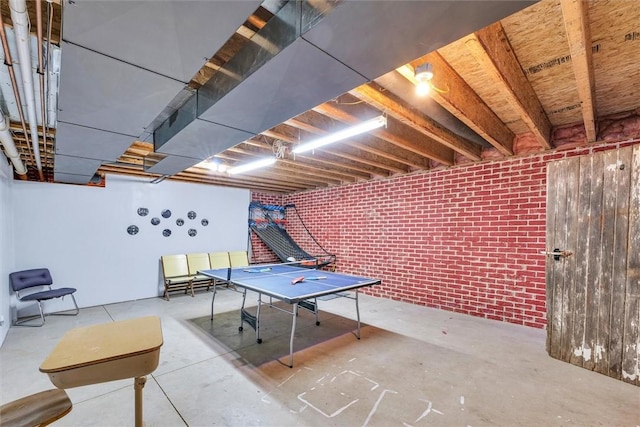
(138, 385)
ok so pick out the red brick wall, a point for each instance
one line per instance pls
(465, 239)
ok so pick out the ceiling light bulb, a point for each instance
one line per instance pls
(212, 164)
(423, 88)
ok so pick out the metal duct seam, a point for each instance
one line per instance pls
(21, 26)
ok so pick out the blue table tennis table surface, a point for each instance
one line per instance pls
(275, 280)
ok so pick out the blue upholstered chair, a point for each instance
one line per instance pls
(35, 285)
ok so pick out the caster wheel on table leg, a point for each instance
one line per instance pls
(259, 340)
(317, 323)
(240, 328)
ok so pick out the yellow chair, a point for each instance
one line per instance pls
(176, 274)
(197, 262)
(238, 259)
(219, 260)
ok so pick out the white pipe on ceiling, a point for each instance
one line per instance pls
(43, 109)
(20, 20)
(10, 147)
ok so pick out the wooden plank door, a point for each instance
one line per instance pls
(593, 277)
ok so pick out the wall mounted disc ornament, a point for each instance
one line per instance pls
(166, 232)
(132, 229)
(179, 222)
(204, 222)
(143, 211)
(165, 213)
(191, 215)
(192, 232)
(155, 221)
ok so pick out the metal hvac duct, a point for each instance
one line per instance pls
(282, 30)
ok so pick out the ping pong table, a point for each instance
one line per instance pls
(291, 283)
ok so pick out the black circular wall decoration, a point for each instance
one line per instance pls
(192, 232)
(132, 229)
(179, 222)
(155, 221)
(143, 211)
(191, 215)
(165, 213)
(166, 232)
(204, 222)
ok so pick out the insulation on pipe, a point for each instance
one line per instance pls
(43, 108)
(20, 20)
(8, 62)
(10, 148)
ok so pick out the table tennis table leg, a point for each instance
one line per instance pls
(244, 298)
(257, 327)
(293, 332)
(213, 298)
(358, 315)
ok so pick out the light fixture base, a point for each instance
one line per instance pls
(424, 72)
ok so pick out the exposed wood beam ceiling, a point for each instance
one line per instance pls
(559, 73)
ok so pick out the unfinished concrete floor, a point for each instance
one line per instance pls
(414, 366)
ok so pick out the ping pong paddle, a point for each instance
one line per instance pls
(297, 280)
(256, 270)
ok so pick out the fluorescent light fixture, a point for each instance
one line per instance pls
(252, 165)
(363, 127)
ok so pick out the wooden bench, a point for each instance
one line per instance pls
(180, 271)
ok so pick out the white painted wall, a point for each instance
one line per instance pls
(80, 233)
(6, 246)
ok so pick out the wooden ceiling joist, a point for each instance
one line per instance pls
(309, 164)
(418, 121)
(424, 147)
(363, 155)
(457, 97)
(491, 48)
(576, 21)
(368, 143)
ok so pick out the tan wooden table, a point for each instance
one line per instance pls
(107, 352)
